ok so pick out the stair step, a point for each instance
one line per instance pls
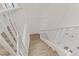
(39, 48)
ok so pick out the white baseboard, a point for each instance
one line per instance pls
(60, 51)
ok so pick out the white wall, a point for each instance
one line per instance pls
(34, 15)
(61, 15)
(41, 16)
(1, 7)
(71, 17)
(53, 16)
(68, 16)
(50, 16)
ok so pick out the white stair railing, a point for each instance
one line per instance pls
(21, 49)
(64, 37)
(8, 37)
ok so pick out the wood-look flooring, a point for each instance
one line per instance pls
(39, 48)
(3, 52)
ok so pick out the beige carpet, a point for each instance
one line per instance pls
(39, 48)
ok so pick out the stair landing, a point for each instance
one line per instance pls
(39, 48)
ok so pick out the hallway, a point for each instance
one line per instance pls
(39, 48)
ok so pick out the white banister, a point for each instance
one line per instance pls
(17, 44)
(64, 37)
(4, 11)
(21, 43)
(60, 28)
(18, 38)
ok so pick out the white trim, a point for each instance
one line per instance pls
(60, 51)
(25, 40)
(4, 11)
(17, 44)
(65, 27)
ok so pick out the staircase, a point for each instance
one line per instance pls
(39, 48)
